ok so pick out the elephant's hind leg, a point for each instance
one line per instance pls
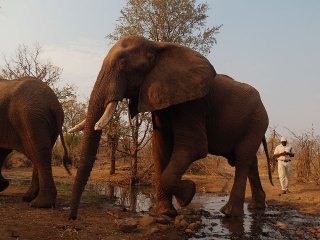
(34, 187)
(38, 144)
(245, 158)
(258, 195)
(4, 183)
(47, 191)
(234, 206)
(246, 165)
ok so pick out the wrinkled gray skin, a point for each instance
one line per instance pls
(31, 120)
(194, 111)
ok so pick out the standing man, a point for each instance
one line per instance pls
(284, 152)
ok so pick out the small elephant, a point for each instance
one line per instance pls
(31, 120)
(194, 110)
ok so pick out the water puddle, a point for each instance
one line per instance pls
(22, 181)
(269, 224)
(137, 199)
(216, 225)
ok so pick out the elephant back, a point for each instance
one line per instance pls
(37, 101)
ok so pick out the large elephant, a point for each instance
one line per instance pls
(194, 112)
(31, 120)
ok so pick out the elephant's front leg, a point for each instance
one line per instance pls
(4, 183)
(189, 144)
(162, 149)
(171, 182)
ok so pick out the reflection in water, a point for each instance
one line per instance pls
(252, 226)
(135, 199)
(234, 225)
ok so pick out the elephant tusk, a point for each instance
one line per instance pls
(78, 127)
(107, 115)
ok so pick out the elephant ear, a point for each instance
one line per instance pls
(179, 75)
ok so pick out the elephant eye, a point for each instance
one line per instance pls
(122, 63)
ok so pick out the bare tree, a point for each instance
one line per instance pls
(74, 112)
(113, 131)
(27, 62)
(135, 136)
(140, 132)
(180, 21)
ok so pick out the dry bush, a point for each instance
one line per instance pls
(307, 158)
(72, 144)
(16, 159)
(57, 154)
(145, 173)
(145, 166)
(210, 165)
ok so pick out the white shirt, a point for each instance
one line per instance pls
(280, 149)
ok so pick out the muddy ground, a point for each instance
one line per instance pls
(19, 221)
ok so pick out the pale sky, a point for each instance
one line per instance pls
(272, 45)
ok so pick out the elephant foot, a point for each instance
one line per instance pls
(164, 209)
(47, 200)
(42, 204)
(256, 205)
(231, 211)
(258, 200)
(186, 193)
(3, 184)
(29, 196)
(31, 193)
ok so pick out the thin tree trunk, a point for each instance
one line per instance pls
(112, 147)
(134, 157)
(133, 199)
(273, 162)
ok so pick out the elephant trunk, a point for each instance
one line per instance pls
(89, 147)
(107, 91)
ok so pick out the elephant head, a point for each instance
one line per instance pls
(152, 75)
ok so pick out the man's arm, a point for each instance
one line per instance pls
(277, 153)
(280, 154)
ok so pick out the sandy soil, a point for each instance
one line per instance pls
(19, 221)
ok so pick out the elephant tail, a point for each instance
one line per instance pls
(265, 147)
(66, 159)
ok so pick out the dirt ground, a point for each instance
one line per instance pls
(19, 221)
